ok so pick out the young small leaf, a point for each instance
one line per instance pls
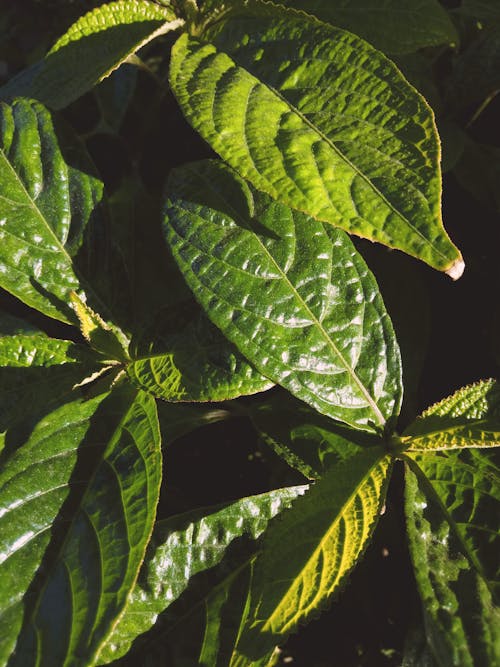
(184, 546)
(452, 505)
(184, 357)
(468, 418)
(337, 132)
(92, 48)
(307, 555)
(45, 204)
(295, 298)
(99, 543)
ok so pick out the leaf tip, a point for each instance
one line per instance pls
(456, 270)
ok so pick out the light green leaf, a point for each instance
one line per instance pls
(91, 49)
(452, 508)
(393, 26)
(468, 418)
(184, 357)
(98, 542)
(295, 298)
(185, 546)
(36, 374)
(318, 119)
(307, 555)
(307, 441)
(47, 197)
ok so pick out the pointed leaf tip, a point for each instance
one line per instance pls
(456, 269)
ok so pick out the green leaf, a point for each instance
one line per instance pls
(113, 96)
(183, 357)
(393, 26)
(100, 535)
(452, 507)
(307, 555)
(45, 204)
(91, 49)
(337, 133)
(178, 419)
(468, 418)
(181, 548)
(295, 298)
(307, 441)
(36, 374)
(485, 10)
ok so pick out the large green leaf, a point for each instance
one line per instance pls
(36, 373)
(393, 26)
(90, 50)
(468, 418)
(181, 548)
(308, 441)
(294, 297)
(307, 555)
(99, 535)
(318, 119)
(46, 200)
(452, 507)
(184, 357)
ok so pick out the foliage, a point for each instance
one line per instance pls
(238, 286)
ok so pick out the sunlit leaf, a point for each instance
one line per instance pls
(294, 297)
(318, 119)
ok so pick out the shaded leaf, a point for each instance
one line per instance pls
(183, 547)
(45, 203)
(485, 10)
(307, 556)
(393, 26)
(336, 133)
(99, 541)
(113, 96)
(452, 506)
(308, 441)
(90, 50)
(184, 357)
(468, 418)
(296, 299)
(478, 172)
(177, 419)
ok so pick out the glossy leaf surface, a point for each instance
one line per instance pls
(468, 418)
(94, 558)
(452, 507)
(184, 357)
(184, 546)
(393, 26)
(45, 204)
(90, 50)
(307, 555)
(295, 298)
(345, 138)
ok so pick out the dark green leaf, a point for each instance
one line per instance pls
(45, 204)
(184, 357)
(337, 132)
(184, 546)
(452, 507)
(295, 298)
(478, 172)
(98, 540)
(91, 49)
(485, 10)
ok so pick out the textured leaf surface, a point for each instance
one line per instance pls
(452, 507)
(468, 418)
(184, 357)
(296, 299)
(36, 372)
(393, 26)
(94, 558)
(316, 118)
(307, 441)
(184, 546)
(307, 555)
(45, 204)
(91, 49)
